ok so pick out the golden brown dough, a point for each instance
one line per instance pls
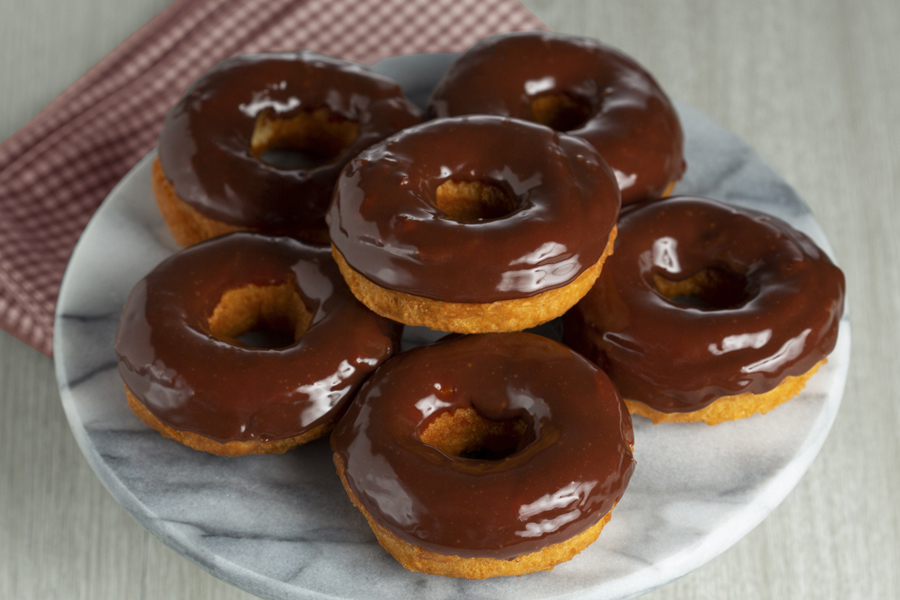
(187, 226)
(460, 317)
(731, 408)
(416, 558)
(233, 448)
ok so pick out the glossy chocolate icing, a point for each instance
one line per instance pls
(774, 314)
(386, 224)
(575, 464)
(205, 147)
(193, 381)
(632, 122)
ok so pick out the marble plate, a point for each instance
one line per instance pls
(282, 527)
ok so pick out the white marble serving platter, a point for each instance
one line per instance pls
(282, 527)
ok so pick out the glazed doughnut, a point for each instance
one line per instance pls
(188, 376)
(474, 224)
(709, 312)
(579, 86)
(210, 176)
(488, 455)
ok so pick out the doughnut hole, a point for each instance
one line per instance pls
(561, 111)
(264, 317)
(467, 434)
(466, 201)
(713, 288)
(308, 139)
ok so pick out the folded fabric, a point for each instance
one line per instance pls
(56, 170)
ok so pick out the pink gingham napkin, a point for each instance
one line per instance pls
(56, 170)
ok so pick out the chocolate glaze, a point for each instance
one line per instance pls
(576, 466)
(778, 318)
(632, 122)
(195, 382)
(204, 146)
(385, 222)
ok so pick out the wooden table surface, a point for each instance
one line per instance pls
(813, 85)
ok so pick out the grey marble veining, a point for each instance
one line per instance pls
(282, 527)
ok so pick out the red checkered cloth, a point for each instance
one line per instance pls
(56, 170)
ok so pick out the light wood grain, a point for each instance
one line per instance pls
(812, 85)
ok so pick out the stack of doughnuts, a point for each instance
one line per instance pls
(501, 212)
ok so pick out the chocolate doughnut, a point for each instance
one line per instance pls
(487, 455)
(474, 224)
(210, 177)
(187, 375)
(579, 86)
(709, 312)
